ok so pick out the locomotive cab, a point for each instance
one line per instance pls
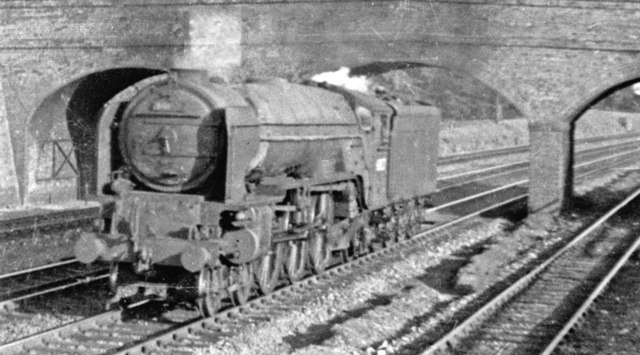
(401, 144)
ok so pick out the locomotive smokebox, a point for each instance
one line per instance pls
(172, 135)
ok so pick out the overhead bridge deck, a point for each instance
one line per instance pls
(61, 61)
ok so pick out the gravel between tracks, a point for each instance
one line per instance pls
(398, 302)
(358, 310)
(45, 312)
(360, 313)
(388, 309)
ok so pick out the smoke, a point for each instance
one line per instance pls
(341, 78)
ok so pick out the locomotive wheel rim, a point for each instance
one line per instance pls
(208, 296)
(296, 260)
(319, 252)
(241, 276)
(269, 268)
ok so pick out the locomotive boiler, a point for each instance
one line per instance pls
(223, 189)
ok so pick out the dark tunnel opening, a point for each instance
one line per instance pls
(83, 113)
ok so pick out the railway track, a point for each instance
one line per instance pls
(610, 323)
(42, 219)
(447, 180)
(120, 332)
(588, 163)
(40, 236)
(19, 286)
(501, 152)
(586, 305)
(54, 277)
(534, 314)
(15, 225)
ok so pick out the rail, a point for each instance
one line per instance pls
(584, 307)
(451, 339)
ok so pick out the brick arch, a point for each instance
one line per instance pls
(596, 88)
(490, 81)
(552, 134)
(61, 154)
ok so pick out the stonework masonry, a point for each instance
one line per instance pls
(9, 193)
(550, 58)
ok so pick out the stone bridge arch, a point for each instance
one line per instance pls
(598, 87)
(482, 98)
(552, 139)
(465, 68)
(61, 142)
(483, 77)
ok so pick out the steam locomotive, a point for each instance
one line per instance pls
(228, 189)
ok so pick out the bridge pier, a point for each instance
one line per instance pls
(551, 165)
(9, 191)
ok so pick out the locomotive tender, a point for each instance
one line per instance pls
(227, 188)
